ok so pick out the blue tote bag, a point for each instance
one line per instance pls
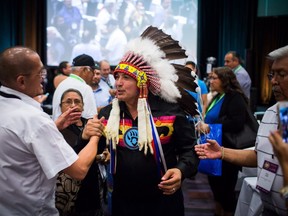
(211, 167)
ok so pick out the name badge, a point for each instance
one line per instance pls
(267, 176)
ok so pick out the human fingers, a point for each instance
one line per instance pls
(95, 125)
(107, 156)
(92, 128)
(212, 142)
(74, 116)
(204, 128)
(200, 151)
(279, 147)
(272, 139)
(275, 138)
(199, 148)
(171, 181)
(95, 117)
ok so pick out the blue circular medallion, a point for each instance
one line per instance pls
(131, 138)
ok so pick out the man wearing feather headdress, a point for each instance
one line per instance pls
(151, 141)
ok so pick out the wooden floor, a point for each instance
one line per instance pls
(198, 198)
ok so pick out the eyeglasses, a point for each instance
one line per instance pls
(42, 73)
(69, 102)
(280, 75)
(213, 78)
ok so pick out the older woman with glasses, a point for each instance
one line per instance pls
(85, 197)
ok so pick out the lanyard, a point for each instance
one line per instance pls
(237, 69)
(107, 82)
(214, 102)
(6, 95)
(76, 77)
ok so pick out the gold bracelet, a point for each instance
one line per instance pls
(222, 153)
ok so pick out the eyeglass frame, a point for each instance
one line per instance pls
(69, 102)
(42, 72)
(212, 78)
(281, 75)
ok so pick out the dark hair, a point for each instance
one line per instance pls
(61, 66)
(194, 65)
(237, 56)
(72, 90)
(190, 63)
(229, 81)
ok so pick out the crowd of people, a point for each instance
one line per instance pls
(107, 26)
(120, 142)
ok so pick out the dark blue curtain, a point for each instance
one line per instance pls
(23, 22)
(224, 26)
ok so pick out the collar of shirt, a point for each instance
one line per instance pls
(98, 89)
(74, 76)
(236, 69)
(23, 96)
(107, 80)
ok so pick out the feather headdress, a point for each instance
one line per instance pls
(147, 60)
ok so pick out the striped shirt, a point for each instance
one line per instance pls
(272, 200)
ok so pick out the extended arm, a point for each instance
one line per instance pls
(212, 150)
(80, 167)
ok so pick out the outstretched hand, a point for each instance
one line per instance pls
(209, 150)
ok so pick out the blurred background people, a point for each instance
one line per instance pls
(106, 73)
(161, 12)
(138, 21)
(107, 79)
(233, 60)
(56, 46)
(101, 92)
(88, 45)
(201, 83)
(63, 71)
(114, 48)
(71, 22)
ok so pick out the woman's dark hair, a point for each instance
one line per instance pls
(61, 66)
(72, 90)
(229, 81)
